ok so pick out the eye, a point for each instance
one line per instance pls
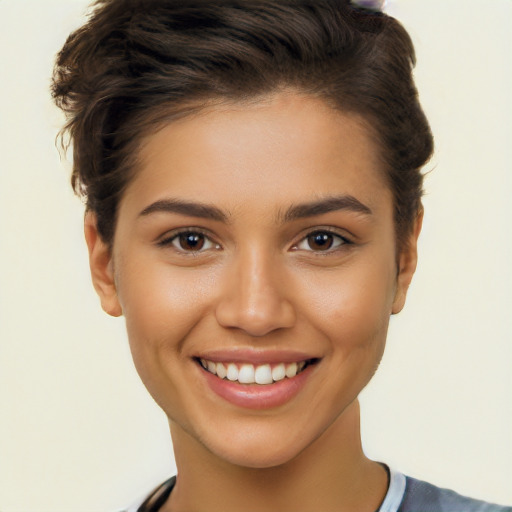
(321, 241)
(189, 241)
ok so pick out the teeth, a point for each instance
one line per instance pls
(249, 374)
(232, 372)
(246, 374)
(221, 370)
(278, 372)
(263, 375)
(291, 370)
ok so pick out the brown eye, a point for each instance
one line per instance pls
(321, 241)
(191, 241)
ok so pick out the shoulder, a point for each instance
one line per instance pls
(421, 496)
(156, 498)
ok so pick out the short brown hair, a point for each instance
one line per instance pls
(139, 62)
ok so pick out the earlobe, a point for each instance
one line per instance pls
(102, 271)
(407, 262)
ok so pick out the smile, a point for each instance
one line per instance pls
(247, 373)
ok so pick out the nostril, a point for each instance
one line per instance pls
(255, 298)
(256, 319)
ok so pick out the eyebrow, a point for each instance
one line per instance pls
(326, 205)
(294, 212)
(189, 208)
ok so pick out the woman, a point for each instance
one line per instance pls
(253, 187)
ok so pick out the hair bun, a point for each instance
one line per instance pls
(371, 5)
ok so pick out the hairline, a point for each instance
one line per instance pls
(160, 116)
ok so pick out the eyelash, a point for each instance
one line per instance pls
(342, 241)
(174, 237)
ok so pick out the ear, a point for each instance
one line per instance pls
(102, 271)
(407, 261)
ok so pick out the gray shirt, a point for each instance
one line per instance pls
(405, 494)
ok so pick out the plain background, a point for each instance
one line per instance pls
(79, 433)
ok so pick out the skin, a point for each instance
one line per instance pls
(259, 284)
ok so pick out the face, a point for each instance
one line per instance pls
(254, 261)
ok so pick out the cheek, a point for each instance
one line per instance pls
(352, 306)
(162, 304)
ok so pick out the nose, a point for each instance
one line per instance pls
(253, 296)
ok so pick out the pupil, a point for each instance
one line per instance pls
(320, 241)
(192, 241)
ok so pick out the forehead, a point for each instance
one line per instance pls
(279, 150)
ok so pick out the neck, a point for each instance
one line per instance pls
(330, 474)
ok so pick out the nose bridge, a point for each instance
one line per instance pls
(254, 298)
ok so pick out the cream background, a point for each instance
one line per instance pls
(78, 433)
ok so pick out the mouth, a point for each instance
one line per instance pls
(261, 374)
(256, 379)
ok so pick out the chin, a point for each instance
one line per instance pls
(256, 443)
(259, 444)
(259, 455)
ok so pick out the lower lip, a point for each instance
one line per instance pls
(256, 396)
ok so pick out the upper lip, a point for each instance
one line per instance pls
(256, 357)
